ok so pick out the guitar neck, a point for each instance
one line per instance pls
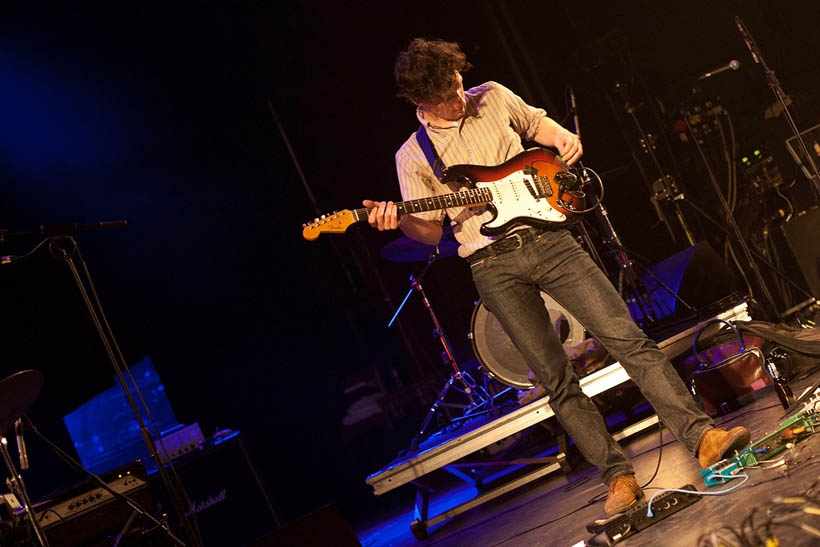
(464, 198)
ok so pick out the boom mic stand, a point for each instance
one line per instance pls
(476, 395)
(64, 247)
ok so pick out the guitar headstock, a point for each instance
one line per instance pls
(335, 223)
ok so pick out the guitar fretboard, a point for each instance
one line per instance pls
(466, 198)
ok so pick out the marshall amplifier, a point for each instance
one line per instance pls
(88, 514)
(225, 497)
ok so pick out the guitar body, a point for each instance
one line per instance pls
(531, 188)
(535, 187)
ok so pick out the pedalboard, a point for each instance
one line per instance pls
(790, 432)
(623, 525)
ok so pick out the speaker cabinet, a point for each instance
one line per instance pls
(803, 234)
(225, 495)
(697, 275)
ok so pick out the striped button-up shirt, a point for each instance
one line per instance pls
(490, 133)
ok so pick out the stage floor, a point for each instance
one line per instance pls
(555, 509)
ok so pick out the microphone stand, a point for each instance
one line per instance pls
(626, 271)
(64, 247)
(774, 83)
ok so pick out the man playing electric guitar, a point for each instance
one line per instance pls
(485, 125)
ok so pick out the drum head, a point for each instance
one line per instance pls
(496, 352)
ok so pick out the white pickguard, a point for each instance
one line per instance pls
(512, 199)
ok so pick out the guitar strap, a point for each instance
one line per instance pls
(430, 152)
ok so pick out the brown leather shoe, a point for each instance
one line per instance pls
(718, 444)
(624, 492)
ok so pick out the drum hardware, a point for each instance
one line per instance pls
(480, 401)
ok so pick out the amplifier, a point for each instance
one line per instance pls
(87, 511)
(802, 234)
(225, 496)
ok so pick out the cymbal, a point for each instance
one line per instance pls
(405, 249)
(17, 394)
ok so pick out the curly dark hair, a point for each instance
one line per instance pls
(424, 71)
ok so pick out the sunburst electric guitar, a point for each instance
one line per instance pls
(535, 187)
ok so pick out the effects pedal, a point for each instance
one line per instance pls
(618, 527)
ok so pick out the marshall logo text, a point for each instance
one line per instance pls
(198, 506)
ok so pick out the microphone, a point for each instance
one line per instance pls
(21, 444)
(69, 227)
(731, 65)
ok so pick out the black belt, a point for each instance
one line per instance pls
(510, 242)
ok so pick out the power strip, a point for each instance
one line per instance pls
(621, 526)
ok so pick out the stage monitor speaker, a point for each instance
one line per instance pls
(803, 234)
(698, 275)
(225, 495)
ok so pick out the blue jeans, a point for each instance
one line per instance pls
(510, 285)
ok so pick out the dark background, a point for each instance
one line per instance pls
(163, 115)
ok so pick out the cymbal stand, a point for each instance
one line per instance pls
(477, 395)
(16, 485)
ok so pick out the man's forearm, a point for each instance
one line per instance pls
(423, 231)
(546, 132)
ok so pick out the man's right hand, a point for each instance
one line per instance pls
(383, 214)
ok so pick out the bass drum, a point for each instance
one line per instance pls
(498, 355)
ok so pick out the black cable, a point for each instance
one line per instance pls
(600, 497)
